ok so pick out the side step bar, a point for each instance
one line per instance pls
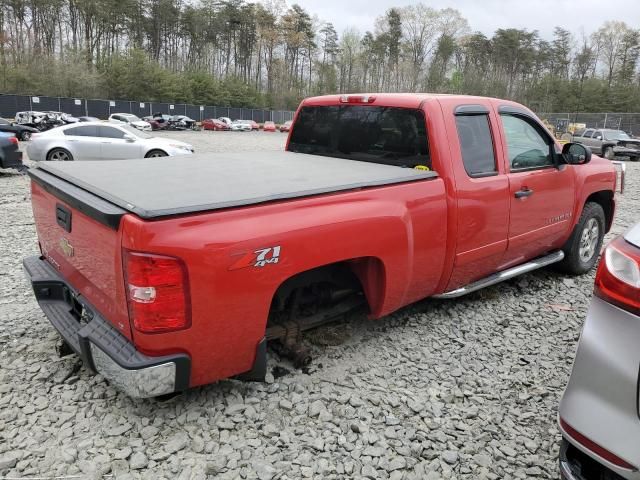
(504, 275)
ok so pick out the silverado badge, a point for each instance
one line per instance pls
(66, 247)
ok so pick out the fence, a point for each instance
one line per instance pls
(10, 104)
(629, 122)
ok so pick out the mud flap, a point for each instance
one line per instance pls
(259, 370)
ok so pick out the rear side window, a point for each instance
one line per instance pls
(476, 145)
(388, 135)
(86, 131)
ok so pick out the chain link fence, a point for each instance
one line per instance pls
(629, 122)
(78, 107)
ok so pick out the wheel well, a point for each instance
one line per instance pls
(328, 283)
(605, 200)
(55, 148)
(155, 150)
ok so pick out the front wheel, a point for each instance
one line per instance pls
(582, 249)
(156, 153)
(608, 153)
(59, 155)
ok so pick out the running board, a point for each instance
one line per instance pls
(504, 275)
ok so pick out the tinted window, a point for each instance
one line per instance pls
(526, 145)
(587, 133)
(394, 136)
(476, 144)
(86, 131)
(598, 135)
(110, 132)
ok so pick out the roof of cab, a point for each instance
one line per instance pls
(405, 100)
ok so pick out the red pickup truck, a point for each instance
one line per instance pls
(167, 273)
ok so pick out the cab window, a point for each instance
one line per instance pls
(476, 145)
(527, 146)
(587, 133)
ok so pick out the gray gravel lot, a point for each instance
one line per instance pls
(459, 389)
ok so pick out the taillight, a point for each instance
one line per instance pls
(13, 140)
(357, 99)
(618, 276)
(594, 447)
(157, 292)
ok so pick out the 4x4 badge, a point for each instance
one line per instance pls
(258, 258)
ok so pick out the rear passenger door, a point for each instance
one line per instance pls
(482, 191)
(83, 142)
(541, 190)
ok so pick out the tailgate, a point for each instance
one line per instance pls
(79, 235)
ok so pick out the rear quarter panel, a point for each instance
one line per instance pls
(402, 226)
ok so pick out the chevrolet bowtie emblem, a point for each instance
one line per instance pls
(66, 247)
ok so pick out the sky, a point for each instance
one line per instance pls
(487, 15)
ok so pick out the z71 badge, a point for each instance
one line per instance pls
(258, 258)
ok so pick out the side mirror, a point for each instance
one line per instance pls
(576, 153)
(129, 138)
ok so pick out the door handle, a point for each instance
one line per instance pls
(525, 192)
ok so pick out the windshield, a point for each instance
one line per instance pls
(389, 135)
(134, 131)
(615, 135)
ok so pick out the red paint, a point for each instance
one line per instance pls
(405, 242)
(214, 124)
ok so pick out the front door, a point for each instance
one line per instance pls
(115, 147)
(541, 191)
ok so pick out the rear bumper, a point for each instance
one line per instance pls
(12, 159)
(101, 347)
(601, 400)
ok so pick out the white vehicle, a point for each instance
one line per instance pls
(130, 119)
(241, 126)
(226, 120)
(101, 141)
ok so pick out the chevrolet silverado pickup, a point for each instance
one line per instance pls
(168, 273)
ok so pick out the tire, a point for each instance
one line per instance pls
(25, 136)
(583, 247)
(608, 153)
(59, 155)
(156, 153)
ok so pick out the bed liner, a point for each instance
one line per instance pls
(158, 187)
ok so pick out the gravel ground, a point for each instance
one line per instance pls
(459, 389)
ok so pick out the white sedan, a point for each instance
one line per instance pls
(241, 126)
(101, 141)
(130, 119)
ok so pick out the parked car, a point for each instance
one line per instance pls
(241, 126)
(254, 125)
(269, 127)
(130, 119)
(214, 124)
(226, 120)
(41, 121)
(10, 155)
(88, 119)
(609, 143)
(182, 275)
(599, 409)
(101, 141)
(22, 132)
(286, 126)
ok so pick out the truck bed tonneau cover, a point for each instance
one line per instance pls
(157, 187)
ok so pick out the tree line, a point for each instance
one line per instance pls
(269, 54)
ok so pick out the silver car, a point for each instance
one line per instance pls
(609, 143)
(600, 409)
(130, 119)
(101, 141)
